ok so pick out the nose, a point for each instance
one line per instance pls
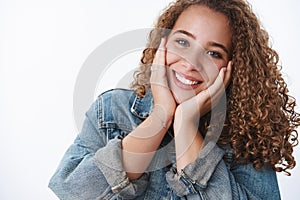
(196, 59)
(190, 65)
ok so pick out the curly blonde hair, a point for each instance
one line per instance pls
(261, 120)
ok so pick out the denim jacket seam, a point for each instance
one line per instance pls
(121, 185)
(187, 181)
(102, 123)
(114, 125)
(190, 180)
(135, 108)
(99, 112)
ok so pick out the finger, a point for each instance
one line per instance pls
(211, 96)
(221, 83)
(223, 79)
(159, 58)
(158, 68)
(213, 93)
(218, 84)
(228, 74)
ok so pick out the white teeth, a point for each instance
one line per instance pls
(184, 80)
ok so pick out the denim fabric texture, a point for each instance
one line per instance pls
(92, 166)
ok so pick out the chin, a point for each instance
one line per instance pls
(180, 97)
(180, 91)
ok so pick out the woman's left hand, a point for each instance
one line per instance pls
(188, 140)
(194, 108)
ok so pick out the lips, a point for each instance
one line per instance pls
(185, 82)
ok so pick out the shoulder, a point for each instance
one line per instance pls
(122, 108)
(117, 95)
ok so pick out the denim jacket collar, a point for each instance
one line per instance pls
(142, 106)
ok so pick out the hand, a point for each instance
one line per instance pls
(163, 98)
(188, 139)
(191, 110)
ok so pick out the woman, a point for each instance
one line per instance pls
(206, 76)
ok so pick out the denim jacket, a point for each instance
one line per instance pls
(92, 166)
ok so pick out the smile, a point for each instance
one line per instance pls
(184, 80)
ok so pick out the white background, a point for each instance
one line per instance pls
(43, 45)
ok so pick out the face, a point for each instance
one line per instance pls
(198, 47)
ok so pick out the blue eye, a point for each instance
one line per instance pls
(183, 42)
(214, 54)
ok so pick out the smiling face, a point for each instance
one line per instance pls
(198, 46)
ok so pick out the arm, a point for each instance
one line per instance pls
(188, 140)
(77, 177)
(211, 178)
(140, 145)
(83, 172)
(93, 167)
(200, 168)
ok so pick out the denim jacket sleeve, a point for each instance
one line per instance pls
(209, 177)
(91, 169)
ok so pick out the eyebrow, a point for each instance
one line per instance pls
(214, 44)
(185, 33)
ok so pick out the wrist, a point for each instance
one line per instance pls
(184, 119)
(163, 115)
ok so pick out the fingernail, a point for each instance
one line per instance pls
(162, 40)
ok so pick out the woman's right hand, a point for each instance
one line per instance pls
(140, 145)
(163, 99)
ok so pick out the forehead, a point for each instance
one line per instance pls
(205, 24)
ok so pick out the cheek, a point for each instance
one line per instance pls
(211, 72)
(171, 58)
